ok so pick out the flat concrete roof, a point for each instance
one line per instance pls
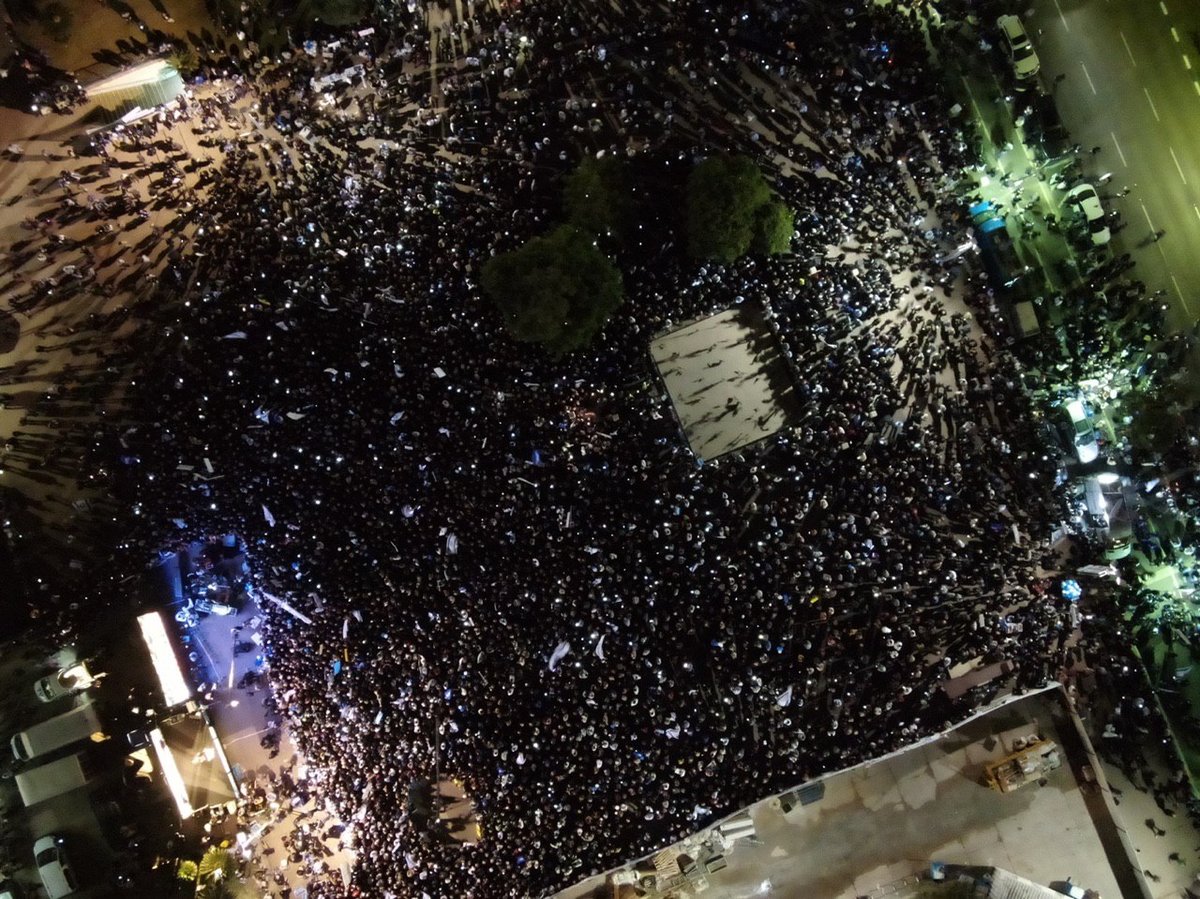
(880, 823)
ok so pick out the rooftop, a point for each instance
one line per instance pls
(871, 829)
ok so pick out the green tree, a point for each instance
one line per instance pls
(1158, 414)
(217, 876)
(56, 20)
(337, 13)
(597, 197)
(188, 870)
(730, 210)
(183, 60)
(557, 290)
(773, 229)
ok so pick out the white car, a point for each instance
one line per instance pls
(57, 876)
(1083, 434)
(1085, 197)
(67, 682)
(1024, 58)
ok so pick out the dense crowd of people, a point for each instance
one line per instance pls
(517, 564)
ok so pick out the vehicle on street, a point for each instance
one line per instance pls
(1045, 126)
(1081, 432)
(1024, 58)
(1085, 198)
(996, 248)
(1026, 319)
(50, 855)
(9, 889)
(54, 778)
(79, 724)
(67, 682)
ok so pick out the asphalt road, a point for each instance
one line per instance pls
(1132, 88)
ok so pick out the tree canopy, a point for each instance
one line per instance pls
(731, 210)
(217, 876)
(773, 229)
(597, 197)
(557, 290)
(336, 13)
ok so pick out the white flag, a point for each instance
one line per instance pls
(785, 698)
(559, 651)
(451, 544)
(600, 647)
(235, 335)
(674, 732)
(268, 516)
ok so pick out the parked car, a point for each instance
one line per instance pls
(1084, 197)
(49, 852)
(10, 889)
(1024, 58)
(1046, 127)
(66, 682)
(1082, 433)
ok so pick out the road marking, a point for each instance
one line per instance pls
(1088, 77)
(1196, 209)
(1163, 7)
(1061, 16)
(1147, 215)
(1178, 167)
(1182, 298)
(1175, 34)
(974, 105)
(1152, 107)
(1127, 50)
(1187, 62)
(1196, 86)
(226, 741)
(1117, 144)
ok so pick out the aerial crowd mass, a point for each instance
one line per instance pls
(519, 564)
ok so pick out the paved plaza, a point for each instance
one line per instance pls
(727, 379)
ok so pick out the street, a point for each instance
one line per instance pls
(1132, 88)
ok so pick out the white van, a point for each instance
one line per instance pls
(54, 778)
(81, 723)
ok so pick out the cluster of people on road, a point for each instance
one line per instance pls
(511, 570)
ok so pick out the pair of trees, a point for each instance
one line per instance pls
(731, 211)
(559, 290)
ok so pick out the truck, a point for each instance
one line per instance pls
(1026, 319)
(55, 778)
(80, 723)
(1000, 260)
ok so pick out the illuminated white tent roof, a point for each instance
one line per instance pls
(146, 85)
